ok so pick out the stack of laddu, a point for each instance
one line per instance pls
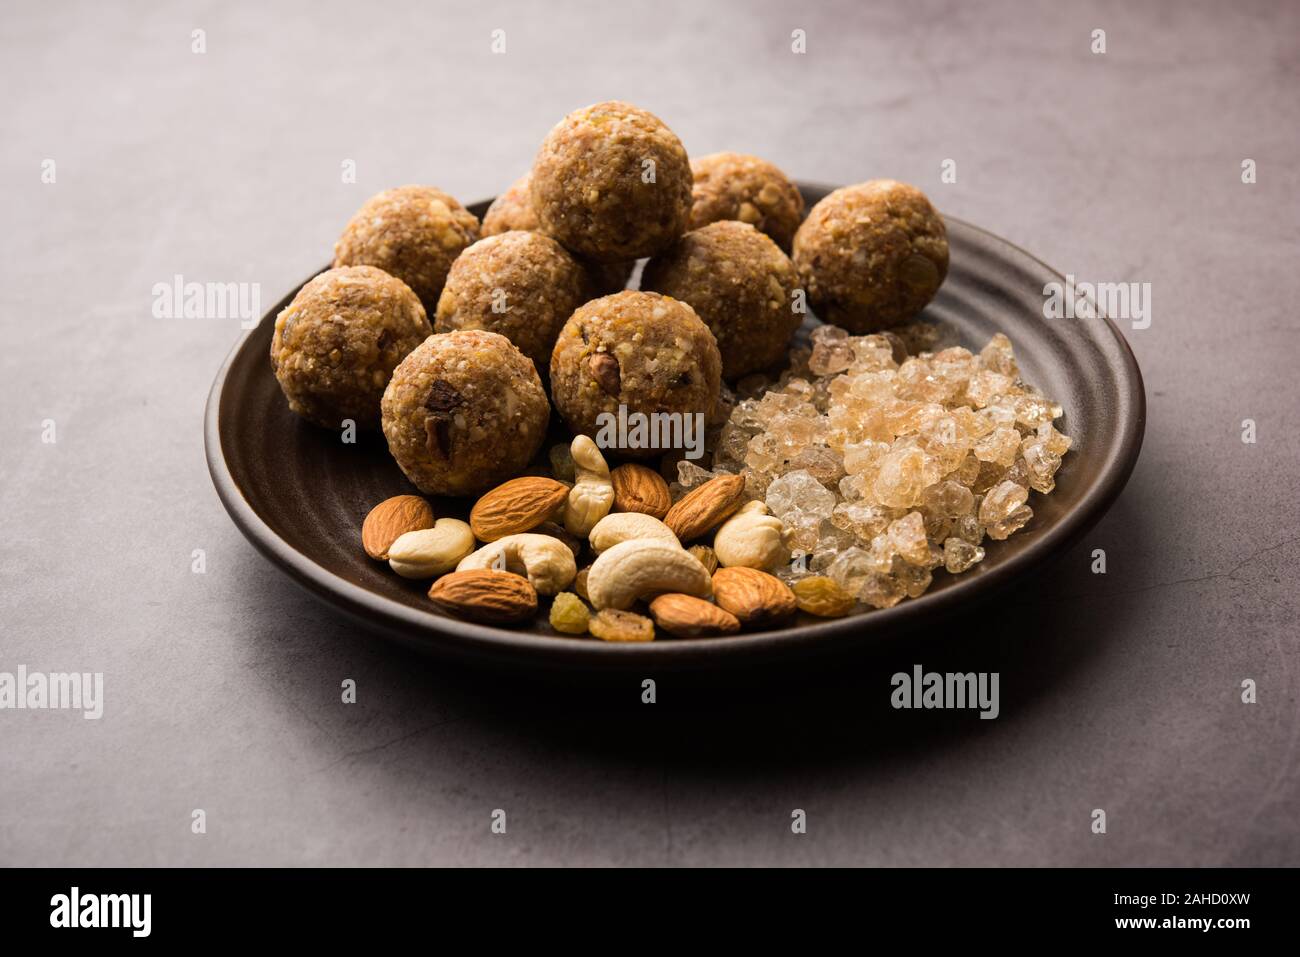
(532, 300)
(843, 475)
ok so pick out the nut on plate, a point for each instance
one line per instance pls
(486, 595)
(641, 568)
(704, 508)
(555, 530)
(685, 616)
(753, 596)
(753, 537)
(592, 494)
(517, 506)
(706, 556)
(580, 583)
(619, 527)
(429, 552)
(390, 520)
(546, 562)
(640, 489)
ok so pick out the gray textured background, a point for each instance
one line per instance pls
(1119, 691)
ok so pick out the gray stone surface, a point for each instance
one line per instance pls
(1119, 691)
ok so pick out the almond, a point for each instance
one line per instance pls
(519, 505)
(688, 617)
(639, 489)
(705, 508)
(486, 595)
(390, 520)
(754, 597)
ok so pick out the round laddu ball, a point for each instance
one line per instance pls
(336, 344)
(513, 209)
(522, 285)
(640, 350)
(748, 189)
(463, 412)
(611, 182)
(740, 283)
(872, 255)
(412, 232)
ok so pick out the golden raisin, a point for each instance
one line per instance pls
(569, 615)
(822, 596)
(614, 625)
(706, 556)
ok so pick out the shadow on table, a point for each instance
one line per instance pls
(1043, 631)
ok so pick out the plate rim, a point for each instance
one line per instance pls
(434, 633)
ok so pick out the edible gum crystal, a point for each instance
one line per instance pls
(887, 460)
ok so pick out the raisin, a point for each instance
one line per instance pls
(569, 615)
(822, 596)
(614, 625)
(442, 397)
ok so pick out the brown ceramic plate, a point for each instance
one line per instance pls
(299, 494)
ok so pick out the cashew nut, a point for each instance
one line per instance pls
(643, 567)
(592, 496)
(626, 526)
(546, 562)
(430, 552)
(752, 538)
